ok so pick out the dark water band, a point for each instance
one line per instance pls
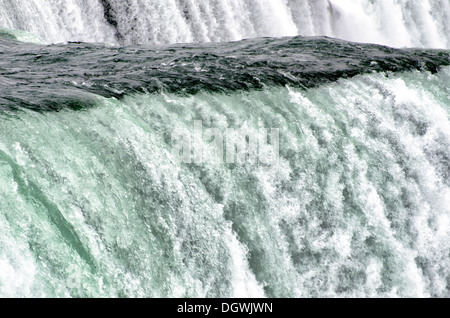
(46, 78)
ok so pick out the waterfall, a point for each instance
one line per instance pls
(286, 164)
(398, 23)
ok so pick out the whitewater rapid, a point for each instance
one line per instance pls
(398, 23)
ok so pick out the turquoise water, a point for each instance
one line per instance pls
(197, 148)
(94, 205)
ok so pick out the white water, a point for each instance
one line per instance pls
(358, 205)
(399, 23)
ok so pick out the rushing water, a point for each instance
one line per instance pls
(424, 23)
(94, 202)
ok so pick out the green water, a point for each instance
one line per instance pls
(20, 35)
(93, 203)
